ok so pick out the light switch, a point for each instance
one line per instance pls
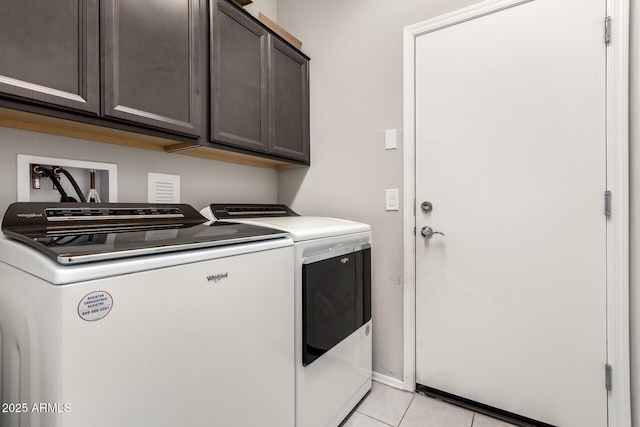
(393, 203)
(390, 139)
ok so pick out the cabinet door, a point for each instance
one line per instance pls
(151, 63)
(239, 103)
(289, 97)
(49, 52)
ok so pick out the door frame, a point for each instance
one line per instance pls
(617, 123)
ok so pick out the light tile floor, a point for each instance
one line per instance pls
(386, 406)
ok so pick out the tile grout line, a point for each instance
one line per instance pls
(407, 410)
(373, 418)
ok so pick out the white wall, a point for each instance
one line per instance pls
(202, 181)
(356, 93)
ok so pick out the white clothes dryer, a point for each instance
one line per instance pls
(333, 348)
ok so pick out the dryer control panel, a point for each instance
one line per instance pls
(234, 210)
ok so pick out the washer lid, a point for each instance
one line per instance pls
(73, 233)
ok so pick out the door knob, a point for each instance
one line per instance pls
(428, 232)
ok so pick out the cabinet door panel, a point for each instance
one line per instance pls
(289, 73)
(49, 52)
(151, 63)
(238, 80)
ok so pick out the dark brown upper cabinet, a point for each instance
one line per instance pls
(289, 101)
(239, 67)
(49, 52)
(259, 87)
(151, 63)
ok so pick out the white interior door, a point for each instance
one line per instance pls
(510, 151)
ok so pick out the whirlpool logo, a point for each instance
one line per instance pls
(29, 215)
(215, 278)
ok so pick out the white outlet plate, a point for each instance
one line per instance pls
(106, 175)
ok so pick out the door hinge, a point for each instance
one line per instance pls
(607, 203)
(607, 30)
(607, 376)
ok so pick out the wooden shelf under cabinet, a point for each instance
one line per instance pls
(56, 126)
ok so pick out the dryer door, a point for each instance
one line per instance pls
(336, 298)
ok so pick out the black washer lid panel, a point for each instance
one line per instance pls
(251, 210)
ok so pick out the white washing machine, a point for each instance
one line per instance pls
(332, 309)
(140, 315)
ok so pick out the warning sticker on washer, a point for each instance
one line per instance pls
(95, 306)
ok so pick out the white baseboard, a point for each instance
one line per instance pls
(386, 380)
